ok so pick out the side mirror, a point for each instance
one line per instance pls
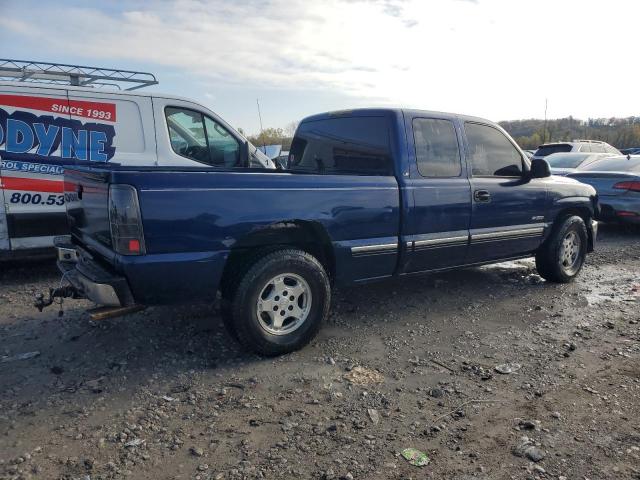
(540, 168)
(245, 155)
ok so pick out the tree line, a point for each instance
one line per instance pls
(619, 132)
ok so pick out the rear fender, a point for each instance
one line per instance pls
(309, 236)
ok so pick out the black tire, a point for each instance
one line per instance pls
(231, 282)
(243, 317)
(551, 263)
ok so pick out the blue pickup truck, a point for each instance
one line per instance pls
(367, 194)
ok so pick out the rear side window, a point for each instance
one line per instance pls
(437, 152)
(492, 154)
(200, 138)
(545, 150)
(585, 148)
(597, 148)
(345, 145)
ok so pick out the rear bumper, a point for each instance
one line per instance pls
(620, 209)
(92, 281)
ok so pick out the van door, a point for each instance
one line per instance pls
(117, 127)
(508, 217)
(33, 122)
(191, 135)
(436, 232)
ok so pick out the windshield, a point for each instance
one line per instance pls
(545, 150)
(574, 160)
(614, 164)
(565, 160)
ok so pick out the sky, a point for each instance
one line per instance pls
(498, 59)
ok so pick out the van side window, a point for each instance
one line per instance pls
(437, 152)
(200, 138)
(491, 153)
(343, 145)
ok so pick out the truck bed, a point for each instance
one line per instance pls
(194, 218)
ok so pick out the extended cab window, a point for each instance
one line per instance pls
(200, 138)
(437, 152)
(491, 153)
(344, 145)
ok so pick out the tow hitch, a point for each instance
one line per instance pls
(57, 295)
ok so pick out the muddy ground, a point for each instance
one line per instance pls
(166, 393)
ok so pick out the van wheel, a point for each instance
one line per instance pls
(280, 303)
(562, 256)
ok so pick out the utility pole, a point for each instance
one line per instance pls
(261, 129)
(544, 135)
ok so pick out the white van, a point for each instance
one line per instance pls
(45, 126)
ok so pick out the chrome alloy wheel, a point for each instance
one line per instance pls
(284, 304)
(570, 250)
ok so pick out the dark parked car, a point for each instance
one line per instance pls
(630, 151)
(369, 194)
(617, 181)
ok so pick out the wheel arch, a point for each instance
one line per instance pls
(582, 209)
(308, 236)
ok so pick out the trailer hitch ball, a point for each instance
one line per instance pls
(67, 291)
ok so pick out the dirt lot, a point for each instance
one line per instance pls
(165, 393)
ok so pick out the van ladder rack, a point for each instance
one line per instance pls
(74, 75)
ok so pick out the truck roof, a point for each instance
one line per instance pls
(376, 111)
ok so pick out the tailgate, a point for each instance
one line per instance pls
(86, 194)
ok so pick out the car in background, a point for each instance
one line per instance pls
(584, 146)
(617, 182)
(282, 160)
(630, 151)
(529, 153)
(564, 163)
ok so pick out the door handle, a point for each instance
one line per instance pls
(482, 196)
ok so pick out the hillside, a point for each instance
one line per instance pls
(619, 132)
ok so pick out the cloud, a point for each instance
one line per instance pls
(486, 58)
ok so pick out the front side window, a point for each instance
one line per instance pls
(437, 152)
(343, 145)
(491, 153)
(194, 136)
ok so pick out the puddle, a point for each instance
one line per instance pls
(613, 286)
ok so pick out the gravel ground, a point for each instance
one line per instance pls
(166, 393)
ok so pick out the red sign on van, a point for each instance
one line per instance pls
(62, 106)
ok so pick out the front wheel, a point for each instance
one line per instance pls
(562, 256)
(281, 302)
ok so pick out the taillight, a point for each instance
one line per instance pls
(634, 186)
(125, 219)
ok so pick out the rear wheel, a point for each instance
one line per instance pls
(280, 302)
(562, 256)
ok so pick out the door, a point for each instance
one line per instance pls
(436, 231)
(34, 132)
(508, 215)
